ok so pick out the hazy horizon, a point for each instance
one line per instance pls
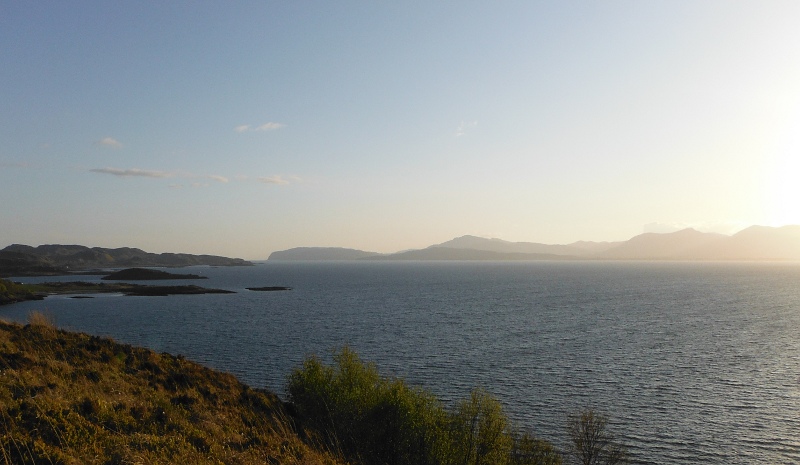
(243, 128)
(657, 230)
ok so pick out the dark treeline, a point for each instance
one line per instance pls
(372, 420)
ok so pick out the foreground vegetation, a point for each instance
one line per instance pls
(73, 398)
(373, 420)
(68, 398)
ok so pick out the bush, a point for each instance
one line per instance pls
(480, 431)
(528, 450)
(364, 417)
(373, 420)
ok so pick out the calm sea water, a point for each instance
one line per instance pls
(693, 363)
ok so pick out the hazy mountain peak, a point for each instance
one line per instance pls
(791, 229)
(754, 243)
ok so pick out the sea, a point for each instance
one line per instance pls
(691, 362)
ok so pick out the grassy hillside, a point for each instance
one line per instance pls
(69, 398)
(11, 292)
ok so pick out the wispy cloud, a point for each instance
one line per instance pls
(110, 142)
(217, 178)
(278, 180)
(465, 126)
(187, 179)
(270, 126)
(6, 164)
(133, 172)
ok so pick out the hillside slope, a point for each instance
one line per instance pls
(21, 260)
(72, 398)
(686, 244)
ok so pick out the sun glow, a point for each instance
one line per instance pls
(781, 186)
(783, 191)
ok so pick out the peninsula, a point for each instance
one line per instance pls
(54, 259)
(11, 292)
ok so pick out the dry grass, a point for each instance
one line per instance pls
(68, 398)
(44, 321)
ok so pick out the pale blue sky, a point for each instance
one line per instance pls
(240, 128)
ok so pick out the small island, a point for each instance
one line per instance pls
(147, 274)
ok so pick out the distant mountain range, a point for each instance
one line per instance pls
(755, 243)
(22, 260)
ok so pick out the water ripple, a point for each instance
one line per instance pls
(694, 363)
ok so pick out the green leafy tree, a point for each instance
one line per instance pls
(528, 450)
(372, 420)
(481, 431)
(369, 419)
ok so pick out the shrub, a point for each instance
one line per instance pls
(481, 431)
(528, 450)
(369, 420)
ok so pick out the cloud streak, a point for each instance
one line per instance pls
(110, 142)
(132, 172)
(4, 164)
(270, 126)
(276, 180)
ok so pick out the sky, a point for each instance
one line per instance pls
(241, 128)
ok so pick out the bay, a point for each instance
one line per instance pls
(692, 362)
